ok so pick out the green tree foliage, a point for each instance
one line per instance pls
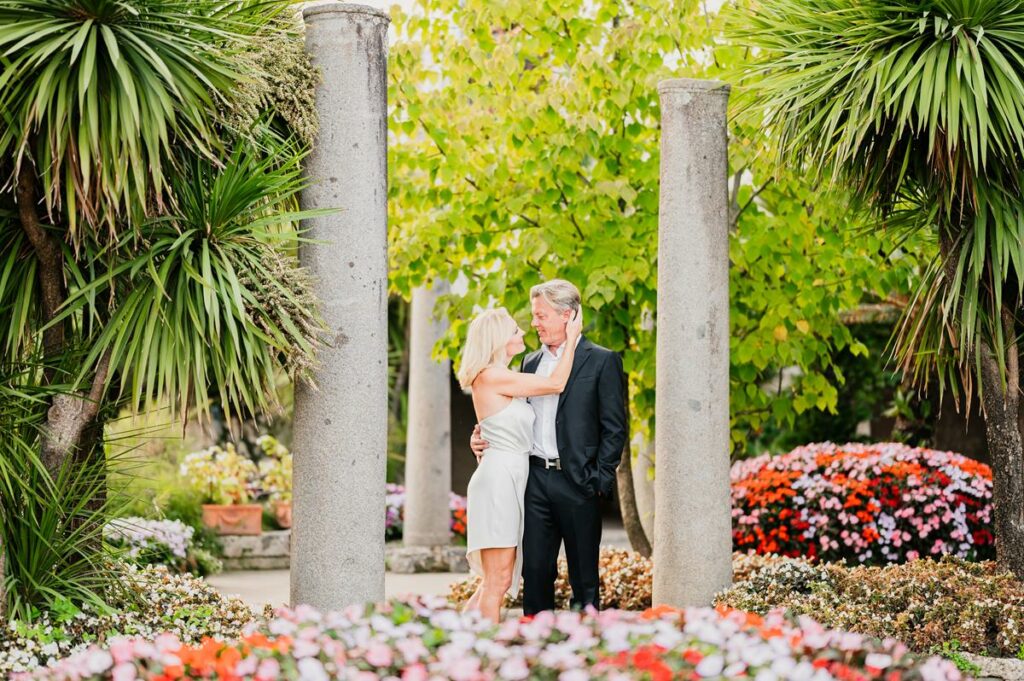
(525, 146)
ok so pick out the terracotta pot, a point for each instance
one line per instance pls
(233, 518)
(283, 513)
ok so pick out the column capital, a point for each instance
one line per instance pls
(693, 85)
(333, 7)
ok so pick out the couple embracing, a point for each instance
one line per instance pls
(549, 439)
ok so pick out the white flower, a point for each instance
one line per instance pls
(711, 665)
(311, 669)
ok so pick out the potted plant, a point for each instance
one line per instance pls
(226, 480)
(276, 478)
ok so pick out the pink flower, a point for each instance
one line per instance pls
(379, 655)
(416, 672)
(412, 649)
(268, 669)
(464, 669)
(124, 672)
(514, 668)
(121, 649)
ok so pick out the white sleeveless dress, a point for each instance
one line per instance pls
(494, 505)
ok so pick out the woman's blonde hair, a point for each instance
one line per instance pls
(485, 344)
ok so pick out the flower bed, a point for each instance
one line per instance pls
(924, 603)
(160, 542)
(871, 504)
(183, 605)
(395, 508)
(626, 579)
(625, 583)
(423, 639)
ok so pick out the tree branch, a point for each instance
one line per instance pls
(69, 416)
(739, 211)
(51, 261)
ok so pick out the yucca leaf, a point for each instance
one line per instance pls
(918, 106)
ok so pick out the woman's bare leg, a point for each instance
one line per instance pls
(474, 601)
(498, 565)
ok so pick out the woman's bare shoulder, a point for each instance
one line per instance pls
(490, 374)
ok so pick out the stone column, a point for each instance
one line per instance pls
(692, 520)
(428, 452)
(341, 425)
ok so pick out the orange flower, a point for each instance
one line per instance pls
(171, 672)
(658, 611)
(258, 640)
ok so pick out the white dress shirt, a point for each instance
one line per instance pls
(545, 407)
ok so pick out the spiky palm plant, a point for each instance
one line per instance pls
(95, 93)
(51, 527)
(146, 249)
(107, 104)
(205, 300)
(918, 106)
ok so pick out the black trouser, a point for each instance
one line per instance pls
(555, 512)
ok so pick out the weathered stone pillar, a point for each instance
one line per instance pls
(340, 441)
(692, 523)
(428, 452)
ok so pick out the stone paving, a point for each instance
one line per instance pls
(262, 587)
(270, 587)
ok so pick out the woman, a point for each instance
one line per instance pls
(495, 498)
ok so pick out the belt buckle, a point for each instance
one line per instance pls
(553, 463)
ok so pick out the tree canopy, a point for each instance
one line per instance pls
(524, 146)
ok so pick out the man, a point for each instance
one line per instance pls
(578, 440)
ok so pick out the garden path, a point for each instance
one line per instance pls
(262, 587)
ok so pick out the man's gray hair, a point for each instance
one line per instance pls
(560, 294)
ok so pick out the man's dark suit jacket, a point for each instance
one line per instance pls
(591, 422)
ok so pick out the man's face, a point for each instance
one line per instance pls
(550, 323)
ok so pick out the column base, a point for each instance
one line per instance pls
(414, 559)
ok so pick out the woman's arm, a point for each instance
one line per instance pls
(506, 382)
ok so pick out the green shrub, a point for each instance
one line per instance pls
(924, 603)
(51, 527)
(179, 604)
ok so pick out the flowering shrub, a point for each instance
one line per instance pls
(160, 542)
(181, 605)
(924, 603)
(422, 639)
(872, 504)
(394, 503)
(626, 580)
(395, 507)
(222, 476)
(150, 541)
(275, 469)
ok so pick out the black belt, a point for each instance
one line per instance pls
(545, 463)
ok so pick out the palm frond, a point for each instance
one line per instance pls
(94, 92)
(918, 107)
(211, 301)
(19, 306)
(880, 93)
(50, 528)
